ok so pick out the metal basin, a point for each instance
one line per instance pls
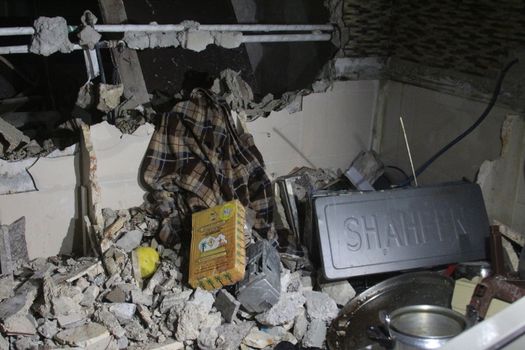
(424, 326)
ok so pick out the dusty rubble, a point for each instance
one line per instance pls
(99, 303)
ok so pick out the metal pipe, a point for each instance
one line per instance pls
(4, 50)
(120, 28)
(285, 38)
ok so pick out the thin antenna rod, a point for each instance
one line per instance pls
(408, 150)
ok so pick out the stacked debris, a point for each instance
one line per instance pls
(104, 303)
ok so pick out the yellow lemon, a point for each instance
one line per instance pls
(148, 261)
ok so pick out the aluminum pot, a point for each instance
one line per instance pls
(424, 327)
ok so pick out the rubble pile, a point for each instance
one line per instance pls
(104, 303)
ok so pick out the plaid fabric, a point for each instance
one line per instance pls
(196, 160)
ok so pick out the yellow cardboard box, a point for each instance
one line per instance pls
(218, 254)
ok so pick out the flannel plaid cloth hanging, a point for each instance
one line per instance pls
(196, 159)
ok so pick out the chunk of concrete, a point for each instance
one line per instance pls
(285, 311)
(138, 297)
(123, 311)
(130, 240)
(320, 306)
(48, 329)
(110, 321)
(117, 295)
(341, 291)
(207, 338)
(315, 335)
(227, 305)
(259, 340)
(90, 295)
(51, 35)
(12, 135)
(109, 96)
(135, 331)
(300, 325)
(91, 335)
(169, 345)
(231, 334)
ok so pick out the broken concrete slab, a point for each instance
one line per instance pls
(341, 291)
(92, 335)
(285, 311)
(300, 325)
(19, 324)
(320, 306)
(51, 35)
(227, 305)
(315, 335)
(130, 240)
(15, 176)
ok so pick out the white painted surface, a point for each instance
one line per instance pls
(51, 211)
(433, 119)
(503, 180)
(118, 164)
(329, 132)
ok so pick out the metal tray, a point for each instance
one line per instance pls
(373, 232)
(348, 331)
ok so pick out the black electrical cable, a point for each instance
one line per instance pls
(485, 113)
(399, 170)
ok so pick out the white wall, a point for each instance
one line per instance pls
(431, 120)
(329, 131)
(51, 211)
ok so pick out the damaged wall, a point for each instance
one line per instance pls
(331, 129)
(432, 119)
(51, 210)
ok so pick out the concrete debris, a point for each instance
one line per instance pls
(135, 331)
(130, 240)
(231, 335)
(140, 298)
(92, 335)
(320, 306)
(12, 136)
(123, 311)
(145, 40)
(117, 295)
(227, 305)
(285, 311)
(51, 35)
(300, 325)
(207, 338)
(90, 295)
(110, 321)
(315, 335)
(109, 96)
(194, 314)
(7, 286)
(341, 291)
(13, 246)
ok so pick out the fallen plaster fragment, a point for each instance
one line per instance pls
(285, 311)
(315, 335)
(15, 177)
(12, 136)
(109, 96)
(320, 306)
(51, 35)
(91, 335)
(341, 291)
(145, 40)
